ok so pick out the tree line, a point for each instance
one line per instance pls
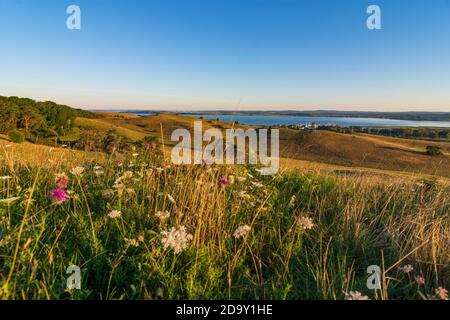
(37, 119)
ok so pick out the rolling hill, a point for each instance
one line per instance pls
(319, 147)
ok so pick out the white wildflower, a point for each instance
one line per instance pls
(419, 280)
(305, 223)
(108, 193)
(114, 214)
(163, 215)
(99, 173)
(241, 231)
(77, 171)
(355, 295)
(406, 268)
(176, 239)
(441, 293)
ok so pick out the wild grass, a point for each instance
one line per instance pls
(311, 235)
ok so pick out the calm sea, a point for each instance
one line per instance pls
(340, 121)
(289, 120)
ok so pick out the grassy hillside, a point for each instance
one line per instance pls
(142, 229)
(363, 150)
(325, 147)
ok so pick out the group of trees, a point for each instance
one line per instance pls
(36, 119)
(51, 123)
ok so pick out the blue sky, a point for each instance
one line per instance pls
(228, 54)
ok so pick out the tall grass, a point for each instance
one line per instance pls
(356, 223)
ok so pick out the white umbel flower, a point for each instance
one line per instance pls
(177, 239)
(114, 214)
(355, 295)
(305, 223)
(406, 268)
(441, 293)
(77, 171)
(241, 231)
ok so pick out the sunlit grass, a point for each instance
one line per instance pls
(140, 228)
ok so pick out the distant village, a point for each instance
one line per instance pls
(309, 126)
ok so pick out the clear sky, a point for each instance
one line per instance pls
(228, 54)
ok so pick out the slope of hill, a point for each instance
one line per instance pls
(347, 150)
(363, 150)
(324, 147)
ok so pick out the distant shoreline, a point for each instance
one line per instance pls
(411, 116)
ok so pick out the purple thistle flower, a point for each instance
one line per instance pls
(59, 195)
(223, 181)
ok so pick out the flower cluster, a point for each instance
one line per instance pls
(355, 295)
(406, 268)
(114, 214)
(77, 171)
(59, 195)
(61, 180)
(176, 239)
(441, 293)
(241, 231)
(305, 223)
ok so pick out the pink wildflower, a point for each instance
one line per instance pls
(61, 181)
(59, 195)
(223, 181)
(419, 280)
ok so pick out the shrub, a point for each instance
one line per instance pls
(16, 136)
(433, 150)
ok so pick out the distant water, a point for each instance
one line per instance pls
(292, 120)
(340, 121)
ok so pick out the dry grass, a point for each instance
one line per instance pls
(359, 220)
(359, 150)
